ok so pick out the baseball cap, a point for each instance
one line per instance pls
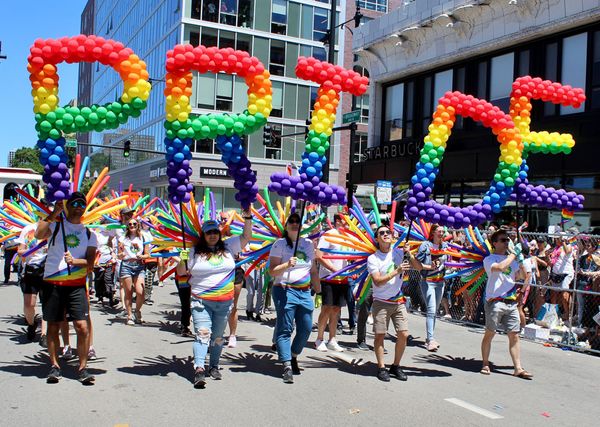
(126, 211)
(210, 225)
(77, 196)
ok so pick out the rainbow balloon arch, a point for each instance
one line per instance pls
(510, 181)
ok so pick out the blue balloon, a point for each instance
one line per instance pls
(53, 160)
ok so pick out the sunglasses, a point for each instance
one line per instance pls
(384, 232)
(132, 224)
(293, 221)
(78, 204)
(504, 240)
(212, 232)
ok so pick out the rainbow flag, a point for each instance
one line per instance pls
(566, 215)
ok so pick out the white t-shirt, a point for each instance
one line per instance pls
(385, 263)
(337, 263)
(27, 238)
(299, 275)
(103, 248)
(212, 278)
(77, 241)
(564, 263)
(500, 284)
(132, 247)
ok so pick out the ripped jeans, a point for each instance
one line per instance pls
(210, 319)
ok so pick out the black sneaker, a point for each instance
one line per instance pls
(31, 331)
(383, 375)
(249, 315)
(257, 318)
(44, 341)
(215, 374)
(295, 367)
(363, 346)
(288, 375)
(397, 372)
(85, 377)
(273, 347)
(199, 378)
(54, 375)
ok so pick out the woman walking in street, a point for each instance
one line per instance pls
(132, 253)
(210, 273)
(293, 271)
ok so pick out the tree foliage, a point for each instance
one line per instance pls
(29, 158)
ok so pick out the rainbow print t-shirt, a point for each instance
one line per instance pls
(76, 238)
(297, 277)
(500, 284)
(212, 278)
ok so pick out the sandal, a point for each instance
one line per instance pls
(485, 370)
(524, 375)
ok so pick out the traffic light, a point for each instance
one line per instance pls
(308, 122)
(267, 136)
(357, 16)
(126, 148)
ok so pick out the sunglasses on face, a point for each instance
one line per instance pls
(132, 224)
(504, 240)
(213, 232)
(384, 232)
(293, 221)
(78, 204)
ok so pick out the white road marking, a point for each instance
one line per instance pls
(474, 408)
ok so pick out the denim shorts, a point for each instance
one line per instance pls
(132, 269)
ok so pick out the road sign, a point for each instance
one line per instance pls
(71, 143)
(352, 116)
(383, 192)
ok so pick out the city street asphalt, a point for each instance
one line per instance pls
(143, 378)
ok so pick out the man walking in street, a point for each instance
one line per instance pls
(71, 254)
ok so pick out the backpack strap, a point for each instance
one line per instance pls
(54, 234)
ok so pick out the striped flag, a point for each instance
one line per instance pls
(566, 215)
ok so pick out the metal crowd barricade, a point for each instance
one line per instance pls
(564, 317)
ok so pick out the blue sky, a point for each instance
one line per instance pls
(21, 22)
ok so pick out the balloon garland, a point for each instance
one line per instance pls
(227, 129)
(52, 121)
(515, 143)
(332, 80)
(524, 90)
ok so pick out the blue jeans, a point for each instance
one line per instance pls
(432, 294)
(292, 305)
(210, 319)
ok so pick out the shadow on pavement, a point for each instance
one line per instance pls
(264, 364)
(38, 366)
(460, 363)
(15, 319)
(161, 366)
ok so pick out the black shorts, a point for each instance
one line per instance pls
(334, 294)
(32, 280)
(64, 303)
(239, 276)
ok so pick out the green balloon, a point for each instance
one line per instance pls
(67, 119)
(45, 126)
(101, 111)
(238, 127)
(509, 181)
(321, 151)
(432, 153)
(86, 111)
(221, 129)
(54, 134)
(425, 159)
(115, 107)
(228, 122)
(196, 125)
(213, 124)
(122, 118)
(51, 116)
(111, 117)
(94, 119)
(205, 130)
(176, 125)
(435, 162)
(505, 173)
(170, 134)
(80, 121)
(182, 133)
(60, 111)
(497, 177)
(251, 121)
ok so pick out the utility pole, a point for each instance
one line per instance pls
(331, 60)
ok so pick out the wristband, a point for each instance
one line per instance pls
(247, 217)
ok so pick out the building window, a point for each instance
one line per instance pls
(244, 42)
(459, 84)
(226, 39)
(574, 66)
(551, 73)
(277, 58)
(210, 37)
(196, 9)
(224, 99)
(320, 24)
(501, 80)
(394, 107)
(274, 150)
(277, 110)
(409, 113)
(359, 146)
(205, 146)
(596, 71)
(361, 102)
(319, 53)
(194, 38)
(210, 11)
(377, 5)
(229, 12)
(427, 104)
(279, 17)
(206, 91)
(246, 8)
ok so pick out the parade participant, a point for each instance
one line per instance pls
(132, 253)
(432, 257)
(125, 215)
(293, 272)
(71, 254)
(501, 310)
(238, 282)
(334, 291)
(563, 272)
(104, 269)
(386, 267)
(254, 296)
(10, 250)
(210, 273)
(32, 278)
(150, 265)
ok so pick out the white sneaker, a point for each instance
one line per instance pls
(334, 346)
(232, 341)
(370, 319)
(67, 352)
(161, 284)
(320, 345)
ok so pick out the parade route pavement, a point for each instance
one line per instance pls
(143, 378)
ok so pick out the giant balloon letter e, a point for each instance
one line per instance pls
(227, 129)
(333, 80)
(52, 121)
